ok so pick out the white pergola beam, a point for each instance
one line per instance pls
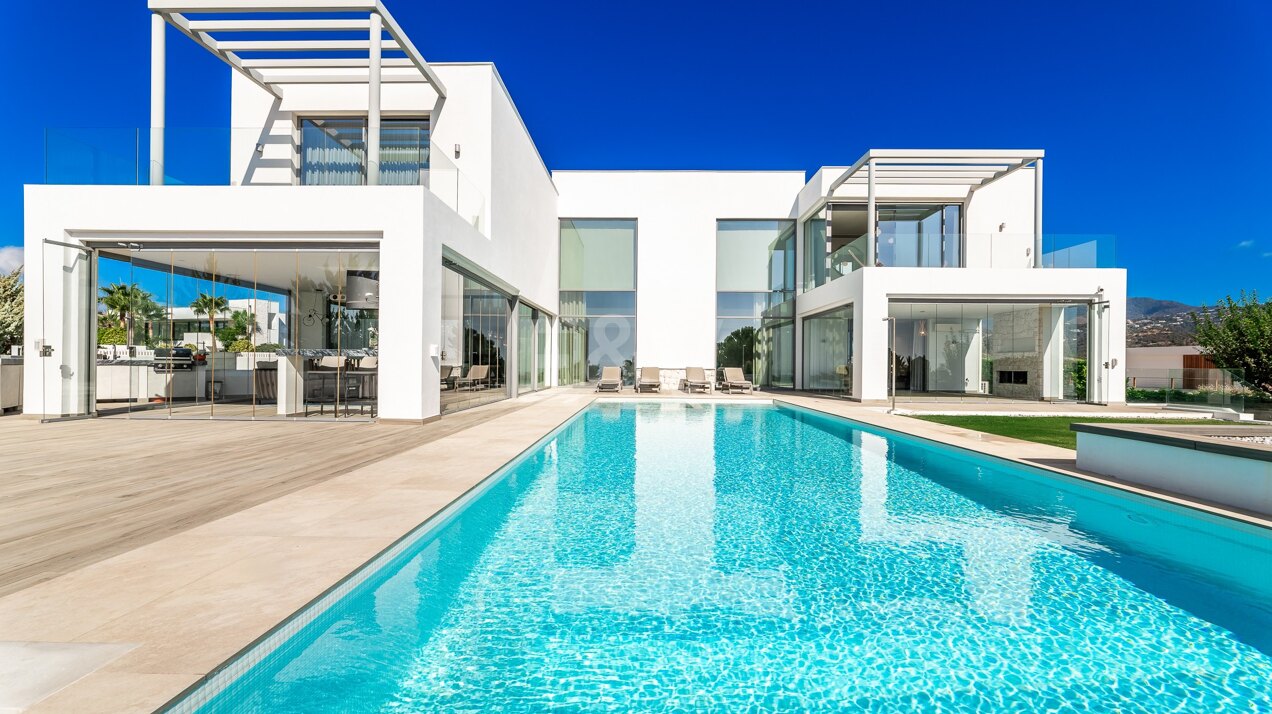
(395, 31)
(205, 40)
(884, 172)
(200, 30)
(279, 25)
(327, 63)
(912, 181)
(231, 6)
(303, 45)
(361, 78)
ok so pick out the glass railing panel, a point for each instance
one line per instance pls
(849, 257)
(1079, 251)
(456, 190)
(94, 156)
(1220, 389)
(274, 156)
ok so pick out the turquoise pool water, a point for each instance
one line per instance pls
(661, 557)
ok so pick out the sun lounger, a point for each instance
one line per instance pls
(611, 380)
(735, 380)
(696, 378)
(475, 379)
(650, 378)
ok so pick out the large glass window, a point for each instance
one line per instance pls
(828, 356)
(909, 235)
(474, 342)
(598, 298)
(1027, 351)
(192, 332)
(525, 348)
(755, 283)
(532, 337)
(333, 151)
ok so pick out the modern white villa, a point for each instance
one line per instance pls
(420, 256)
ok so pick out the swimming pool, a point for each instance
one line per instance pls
(662, 556)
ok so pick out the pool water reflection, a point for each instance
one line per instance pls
(708, 557)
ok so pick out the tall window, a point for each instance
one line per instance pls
(333, 151)
(755, 284)
(598, 298)
(828, 362)
(474, 342)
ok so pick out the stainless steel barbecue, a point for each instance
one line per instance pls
(176, 359)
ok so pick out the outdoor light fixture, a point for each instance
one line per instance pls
(457, 151)
(260, 148)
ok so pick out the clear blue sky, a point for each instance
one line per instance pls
(1156, 117)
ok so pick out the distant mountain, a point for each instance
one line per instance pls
(1138, 308)
(1158, 323)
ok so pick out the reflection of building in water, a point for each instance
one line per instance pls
(595, 501)
(997, 556)
(672, 567)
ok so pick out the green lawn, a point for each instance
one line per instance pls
(1045, 430)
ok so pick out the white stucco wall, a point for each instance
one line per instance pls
(498, 162)
(676, 214)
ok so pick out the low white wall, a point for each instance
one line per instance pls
(1217, 478)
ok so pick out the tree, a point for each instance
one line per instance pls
(118, 299)
(1237, 335)
(242, 326)
(124, 301)
(210, 305)
(11, 309)
(737, 349)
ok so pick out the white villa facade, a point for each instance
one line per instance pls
(457, 248)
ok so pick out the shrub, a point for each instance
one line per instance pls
(268, 347)
(112, 336)
(239, 346)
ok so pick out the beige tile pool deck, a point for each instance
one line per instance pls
(141, 626)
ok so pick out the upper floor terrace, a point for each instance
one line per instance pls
(935, 209)
(324, 92)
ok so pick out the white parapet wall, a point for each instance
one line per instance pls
(1189, 461)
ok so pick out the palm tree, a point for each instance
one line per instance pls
(210, 305)
(124, 300)
(118, 299)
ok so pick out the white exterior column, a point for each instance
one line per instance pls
(872, 258)
(1038, 214)
(158, 80)
(373, 102)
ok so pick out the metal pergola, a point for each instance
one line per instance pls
(282, 42)
(975, 169)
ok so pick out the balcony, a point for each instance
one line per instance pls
(213, 156)
(841, 256)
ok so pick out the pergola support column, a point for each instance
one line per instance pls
(373, 101)
(872, 256)
(1037, 262)
(158, 81)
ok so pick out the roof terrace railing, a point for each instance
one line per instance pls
(216, 156)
